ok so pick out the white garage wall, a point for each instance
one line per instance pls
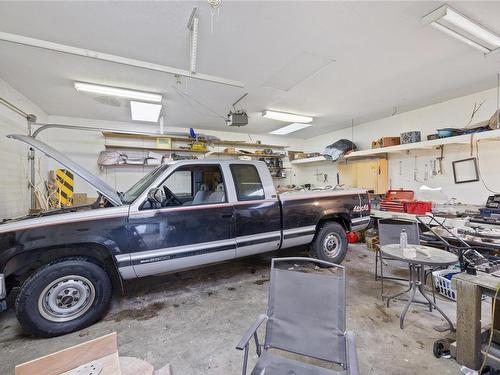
(84, 147)
(14, 193)
(454, 113)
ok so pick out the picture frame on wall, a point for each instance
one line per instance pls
(465, 170)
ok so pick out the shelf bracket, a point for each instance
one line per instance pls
(440, 159)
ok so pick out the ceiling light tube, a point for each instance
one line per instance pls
(463, 28)
(473, 28)
(460, 37)
(145, 111)
(116, 91)
(290, 128)
(287, 117)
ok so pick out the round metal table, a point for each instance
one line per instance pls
(417, 257)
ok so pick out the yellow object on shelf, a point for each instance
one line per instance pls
(198, 146)
(164, 143)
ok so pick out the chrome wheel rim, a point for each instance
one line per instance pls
(331, 245)
(66, 298)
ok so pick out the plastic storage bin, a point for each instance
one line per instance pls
(443, 284)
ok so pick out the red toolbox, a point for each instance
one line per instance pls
(395, 200)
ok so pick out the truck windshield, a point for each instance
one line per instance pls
(131, 194)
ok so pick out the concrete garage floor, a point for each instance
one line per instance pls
(194, 319)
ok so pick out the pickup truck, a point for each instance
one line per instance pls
(64, 264)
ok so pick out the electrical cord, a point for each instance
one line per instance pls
(480, 175)
(491, 331)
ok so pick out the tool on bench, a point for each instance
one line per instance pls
(469, 258)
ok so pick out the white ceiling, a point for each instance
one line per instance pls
(372, 57)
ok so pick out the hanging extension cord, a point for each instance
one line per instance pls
(491, 331)
(480, 174)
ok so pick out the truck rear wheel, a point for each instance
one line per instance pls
(63, 297)
(330, 243)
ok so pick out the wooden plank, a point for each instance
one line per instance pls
(468, 323)
(145, 136)
(316, 159)
(187, 139)
(245, 144)
(152, 148)
(484, 280)
(109, 365)
(242, 154)
(70, 358)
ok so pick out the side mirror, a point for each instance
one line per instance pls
(157, 195)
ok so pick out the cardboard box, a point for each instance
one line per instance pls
(294, 155)
(372, 243)
(164, 143)
(79, 199)
(385, 142)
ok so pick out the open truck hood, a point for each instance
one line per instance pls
(107, 191)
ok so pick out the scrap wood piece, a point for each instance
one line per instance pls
(75, 356)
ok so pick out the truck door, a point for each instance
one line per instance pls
(193, 226)
(256, 209)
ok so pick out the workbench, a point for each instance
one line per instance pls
(449, 221)
(470, 289)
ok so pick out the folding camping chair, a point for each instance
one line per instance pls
(306, 317)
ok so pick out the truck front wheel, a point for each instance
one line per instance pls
(63, 297)
(330, 243)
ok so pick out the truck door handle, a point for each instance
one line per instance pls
(226, 216)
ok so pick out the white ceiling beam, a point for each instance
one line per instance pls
(38, 43)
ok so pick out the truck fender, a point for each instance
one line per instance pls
(22, 264)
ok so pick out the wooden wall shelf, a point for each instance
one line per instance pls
(457, 140)
(187, 139)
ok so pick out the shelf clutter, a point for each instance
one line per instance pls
(422, 145)
(122, 149)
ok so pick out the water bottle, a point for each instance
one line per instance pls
(403, 239)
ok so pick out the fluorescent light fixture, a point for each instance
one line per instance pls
(287, 117)
(463, 28)
(116, 91)
(145, 111)
(460, 37)
(290, 128)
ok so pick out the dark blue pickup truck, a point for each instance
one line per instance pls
(65, 263)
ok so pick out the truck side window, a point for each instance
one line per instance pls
(247, 182)
(191, 186)
(180, 183)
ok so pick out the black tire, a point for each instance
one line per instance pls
(336, 233)
(91, 283)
